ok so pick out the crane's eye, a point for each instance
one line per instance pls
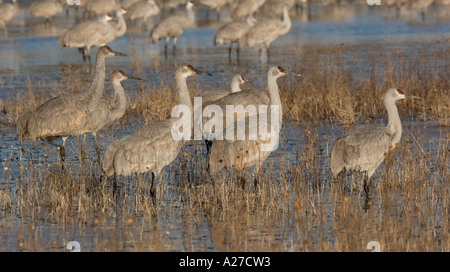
(280, 69)
(399, 91)
(242, 78)
(191, 68)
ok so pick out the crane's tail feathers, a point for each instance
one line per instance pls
(22, 125)
(337, 162)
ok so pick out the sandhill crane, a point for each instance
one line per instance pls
(7, 12)
(45, 8)
(150, 148)
(108, 109)
(91, 33)
(173, 26)
(243, 98)
(265, 32)
(215, 5)
(211, 97)
(245, 8)
(232, 31)
(172, 4)
(69, 114)
(421, 5)
(143, 10)
(101, 7)
(235, 86)
(274, 8)
(363, 149)
(241, 154)
(119, 27)
(128, 3)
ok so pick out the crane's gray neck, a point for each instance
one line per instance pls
(190, 13)
(121, 101)
(121, 26)
(235, 86)
(274, 94)
(286, 19)
(98, 83)
(394, 123)
(183, 93)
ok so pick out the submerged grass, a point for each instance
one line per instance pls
(296, 205)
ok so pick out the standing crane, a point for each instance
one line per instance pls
(45, 8)
(232, 31)
(69, 114)
(235, 87)
(364, 148)
(241, 154)
(91, 33)
(101, 7)
(7, 12)
(150, 148)
(107, 110)
(143, 9)
(267, 31)
(245, 8)
(173, 26)
(244, 98)
(215, 5)
(211, 97)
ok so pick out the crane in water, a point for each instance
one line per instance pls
(210, 97)
(267, 31)
(243, 98)
(143, 9)
(245, 8)
(101, 7)
(364, 148)
(107, 109)
(69, 114)
(173, 26)
(45, 8)
(215, 5)
(150, 148)
(232, 31)
(92, 33)
(7, 12)
(254, 149)
(235, 86)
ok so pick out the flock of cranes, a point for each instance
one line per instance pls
(149, 149)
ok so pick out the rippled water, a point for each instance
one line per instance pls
(30, 58)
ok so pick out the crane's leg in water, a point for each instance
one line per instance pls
(174, 45)
(165, 47)
(97, 147)
(62, 153)
(153, 188)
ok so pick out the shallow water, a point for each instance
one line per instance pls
(30, 58)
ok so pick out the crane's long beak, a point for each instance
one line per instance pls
(120, 54)
(411, 96)
(133, 77)
(202, 73)
(293, 74)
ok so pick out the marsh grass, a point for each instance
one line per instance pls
(339, 83)
(296, 205)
